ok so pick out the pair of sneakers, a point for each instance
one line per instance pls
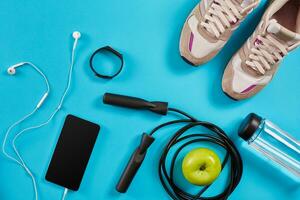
(210, 26)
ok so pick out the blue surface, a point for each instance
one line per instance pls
(147, 32)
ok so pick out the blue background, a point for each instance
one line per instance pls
(147, 33)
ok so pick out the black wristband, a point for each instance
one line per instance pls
(113, 51)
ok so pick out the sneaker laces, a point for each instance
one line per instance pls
(266, 52)
(221, 15)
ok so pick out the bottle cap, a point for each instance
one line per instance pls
(249, 125)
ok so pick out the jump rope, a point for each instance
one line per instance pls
(19, 159)
(180, 140)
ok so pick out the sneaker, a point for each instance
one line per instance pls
(255, 64)
(210, 26)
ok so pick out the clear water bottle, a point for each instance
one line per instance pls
(272, 142)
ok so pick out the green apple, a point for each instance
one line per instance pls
(201, 166)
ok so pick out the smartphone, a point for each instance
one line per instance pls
(72, 152)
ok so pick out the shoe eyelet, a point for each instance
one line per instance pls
(257, 42)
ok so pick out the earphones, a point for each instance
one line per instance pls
(12, 71)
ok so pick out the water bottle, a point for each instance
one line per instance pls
(272, 142)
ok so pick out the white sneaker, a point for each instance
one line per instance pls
(255, 64)
(210, 26)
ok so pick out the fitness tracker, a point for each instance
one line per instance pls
(114, 52)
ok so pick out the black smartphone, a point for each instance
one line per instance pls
(72, 152)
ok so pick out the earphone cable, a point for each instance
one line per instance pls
(26, 116)
(8, 132)
(9, 156)
(69, 75)
(41, 73)
(65, 194)
(21, 161)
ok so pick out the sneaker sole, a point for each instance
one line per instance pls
(188, 62)
(230, 97)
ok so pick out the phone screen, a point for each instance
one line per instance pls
(72, 152)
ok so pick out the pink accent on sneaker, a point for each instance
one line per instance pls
(191, 41)
(257, 42)
(249, 89)
(233, 23)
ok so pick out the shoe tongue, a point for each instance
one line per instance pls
(283, 33)
(244, 3)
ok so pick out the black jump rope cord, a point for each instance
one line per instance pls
(220, 138)
(215, 136)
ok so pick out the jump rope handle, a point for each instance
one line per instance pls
(139, 154)
(134, 163)
(135, 103)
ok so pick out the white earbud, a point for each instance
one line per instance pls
(76, 35)
(12, 69)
